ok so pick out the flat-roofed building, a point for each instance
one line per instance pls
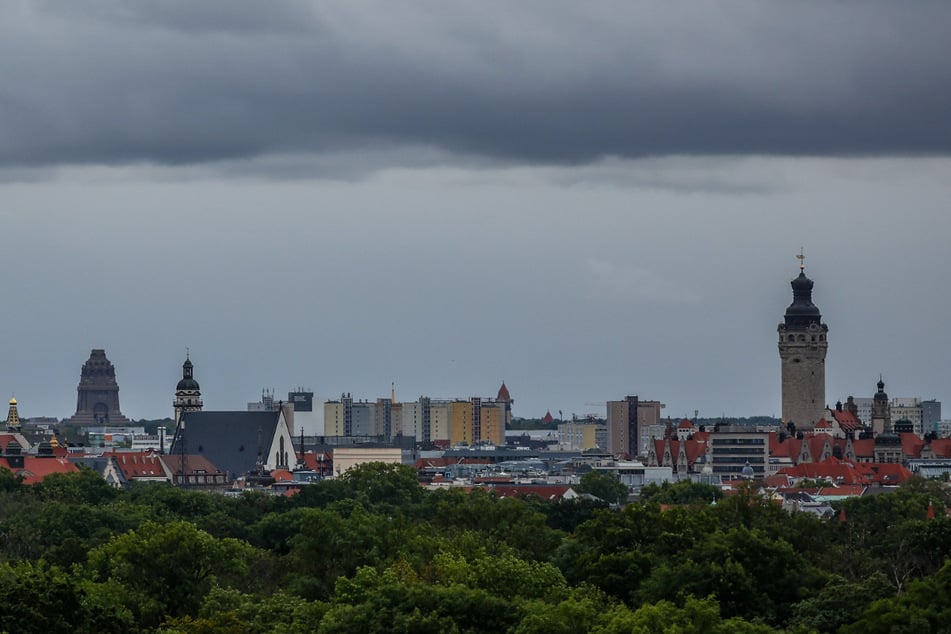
(629, 423)
(493, 414)
(345, 458)
(732, 447)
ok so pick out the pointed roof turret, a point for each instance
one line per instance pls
(504, 394)
(548, 417)
(13, 416)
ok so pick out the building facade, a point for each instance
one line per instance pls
(907, 409)
(630, 425)
(732, 448)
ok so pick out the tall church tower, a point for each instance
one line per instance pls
(802, 351)
(187, 392)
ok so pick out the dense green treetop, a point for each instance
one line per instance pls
(375, 552)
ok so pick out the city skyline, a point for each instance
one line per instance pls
(605, 201)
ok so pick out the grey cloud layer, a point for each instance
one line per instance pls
(538, 82)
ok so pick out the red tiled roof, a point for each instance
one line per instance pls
(695, 449)
(787, 448)
(316, 461)
(137, 464)
(674, 445)
(941, 447)
(685, 424)
(5, 439)
(809, 491)
(544, 491)
(194, 463)
(779, 480)
(503, 393)
(35, 469)
(846, 419)
(548, 418)
(889, 473)
(282, 475)
(830, 469)
(845, 489)
(864, 448)
(911, 445)
(843, 472)
(823, 424)
(817, 443)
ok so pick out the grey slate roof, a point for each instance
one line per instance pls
(228, 439)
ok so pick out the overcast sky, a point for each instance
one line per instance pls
(585, 200)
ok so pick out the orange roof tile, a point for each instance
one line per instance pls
(845, 489)
(911, 445)
(5, 439)
(695, 449)
(35, 469)
(778, 480)
(788, 448)
(846, 419)
(137, 464)
(282, 475)
(941, 447)
(316, 461)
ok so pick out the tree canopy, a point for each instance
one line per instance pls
(374, 552)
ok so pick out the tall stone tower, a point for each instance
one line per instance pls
(97, 402)
(881, 413)
(802, 350)
(187, 392)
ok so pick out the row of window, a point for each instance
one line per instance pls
(202, 479)
(803, 338)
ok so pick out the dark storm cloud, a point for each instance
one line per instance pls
(539, 82)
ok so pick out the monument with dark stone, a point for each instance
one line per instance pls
(97, 402)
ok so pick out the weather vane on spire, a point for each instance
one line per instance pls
(802, 260)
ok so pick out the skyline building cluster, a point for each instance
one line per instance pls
(631, 423)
